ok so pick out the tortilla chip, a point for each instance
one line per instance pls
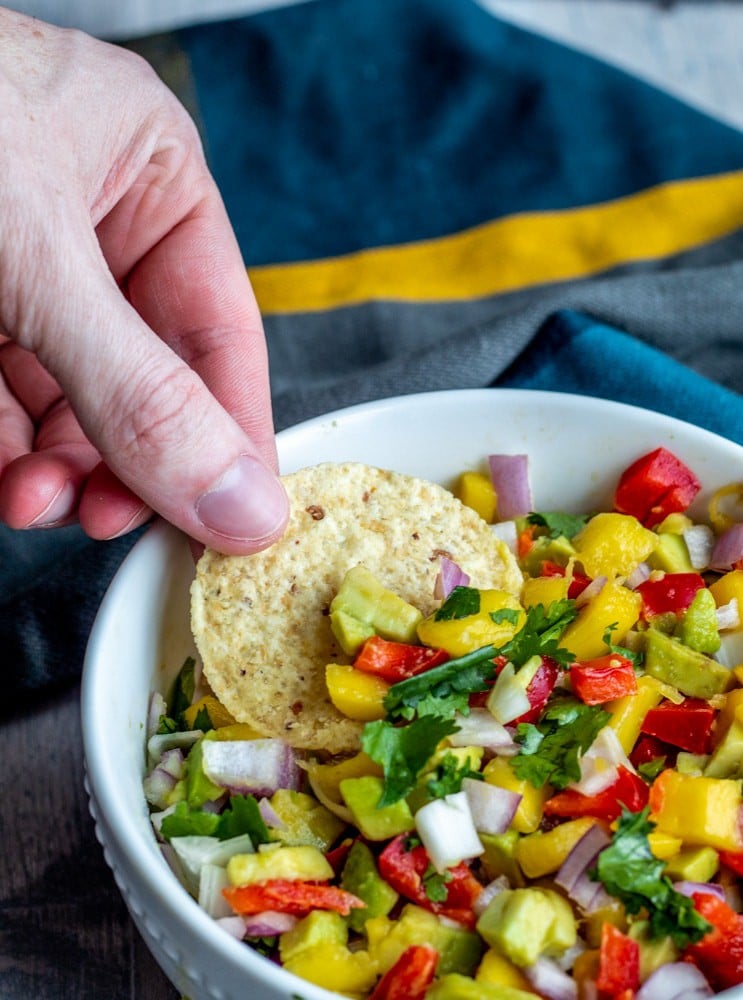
(261, 622)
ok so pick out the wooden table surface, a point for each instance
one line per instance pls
(64, 931)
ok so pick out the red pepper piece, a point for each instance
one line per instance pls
(289, 896)
(539, 689)
(578, 583)
(603, 679)
(687, 726)
(720, 952)
(396, 661)
(732, 860)
(628, 790)
(525, 541)
(669, 594)
(650, 748)
(404, 869)
(619, 962)
(656, 485)
(410, 976)
(336, 857)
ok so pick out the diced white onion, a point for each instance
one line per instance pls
(195, 851)
(488, 894)
(157, 708)
(728, 615)
(258, 766)
(269, 924)
(447, 831)
(157, 745)
(212, 879)
(158, 786)
(508, 699)
(234, 926)
(730, 653)
(639, 575)
(508, 533)
(599, 765)
(450, 575)
(492, 808)
(510, 477)
(675, 981)
(700, 541)
(480, 729)
(588, 593)
(550, 981)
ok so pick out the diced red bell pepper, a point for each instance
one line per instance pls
(629, 790)
(336, 857)
(669, 594)
(656, 485)
(525, 541)
(687, 726)
(577, 584)
(396, 661)
(732, 860)
(650, 748)
(603, 679)
(539, 689)
(404, 868)
(410, 976)
(290, 896)
(619, 962)
(720, 952)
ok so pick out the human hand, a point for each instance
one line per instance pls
(133, 363)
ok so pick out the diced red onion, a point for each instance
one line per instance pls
(687, 888)
(158, 744)
(549, 980)
(508, 533)
(480, 729)
(728, 548)
(269, 923)
(157, 708)
(589, 895)
(566, 960)
(260, 766)
(492, 808)
(450, 575)
(582, 857)
(447, 831)
(675, 981)
(234, 926)
(510, 477)
(269, 815)
(588, 593)
(488, 894)
(639, 575)
(700, 542)
(728, 615)
(157, 786)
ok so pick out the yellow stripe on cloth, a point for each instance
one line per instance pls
(518, 251)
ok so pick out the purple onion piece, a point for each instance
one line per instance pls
(728, 548)
(510, 477)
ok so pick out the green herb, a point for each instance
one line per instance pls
(203, 720)
(403, 751)
(510, 615)
(461, 676)
(652, 768)
(635, 658)
(631, 873)
(461, 603)
(550, 751)
(435, 884)
(540, 633)
(241, 816)
(183, 690)
(448, 775)
(558, 523)
(166, 725)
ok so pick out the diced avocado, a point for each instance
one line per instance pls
(304, 820)
(199, 788)
(671, 554)
(459, 950)
(307, 863)
(527, 923)
(558, 550)
(362, 598)
(693, 864)
(691, 763)
(698, 626)
(727, 758)
(693, 673)
(317, 927)
(499, 857)
(360, 877)
(362, 796)
(654, 952)
(592, 924)
(456, 987)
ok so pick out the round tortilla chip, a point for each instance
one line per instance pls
(261, 622)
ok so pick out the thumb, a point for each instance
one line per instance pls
(158, 427)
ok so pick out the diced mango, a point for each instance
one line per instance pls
(304, 862)
(663, 845)
(613, 545)
(728, 587)
(475, 490)
(543, 853)
(703, 812)
(495, 968)
(543, 590)
(695, 864)
(616, 605)
(334, 967)
(461, 635)
(727, 714)
(593, 922)
(218, 714)
(529, 813)
(354, 693)
(628, 714)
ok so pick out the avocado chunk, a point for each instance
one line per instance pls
(693, 864)
(671, 554)
(654, 952)
(458, 987)
(727, 758)
(304, 820)
(364, 607)
(360, 877)
(199, 788)
(499, 857)
(558, 550)
(459, 950)
(698, 626)
(318, 927)
(694, 674)
(527, 923)
(362, 795)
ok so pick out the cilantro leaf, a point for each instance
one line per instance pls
(559, 523)
(403, 751)
(435, 884)
(187, 822)
(550, 751)
(463, 675)
(448, 775)
(203, 720)
(461, 603)
(629, 654)
(183, 689)
(652, 768)
(166, 725)
(539, 634)
(241, 816)
(510, 615)
(631, 873)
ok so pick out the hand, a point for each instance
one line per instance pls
(132, 356)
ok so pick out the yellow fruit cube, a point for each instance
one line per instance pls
(703, 812)
(615, 604)
(543, 853)
(354, 693)
(475, 490)
(613, 545)
(529, 813)
(728, 587)
(628, 714)
(543, 590)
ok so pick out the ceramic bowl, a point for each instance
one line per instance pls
(577, 447)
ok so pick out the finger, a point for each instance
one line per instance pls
(108, 508)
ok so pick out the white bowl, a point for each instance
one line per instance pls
(577, 448)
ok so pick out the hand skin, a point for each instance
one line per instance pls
(133, 368)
